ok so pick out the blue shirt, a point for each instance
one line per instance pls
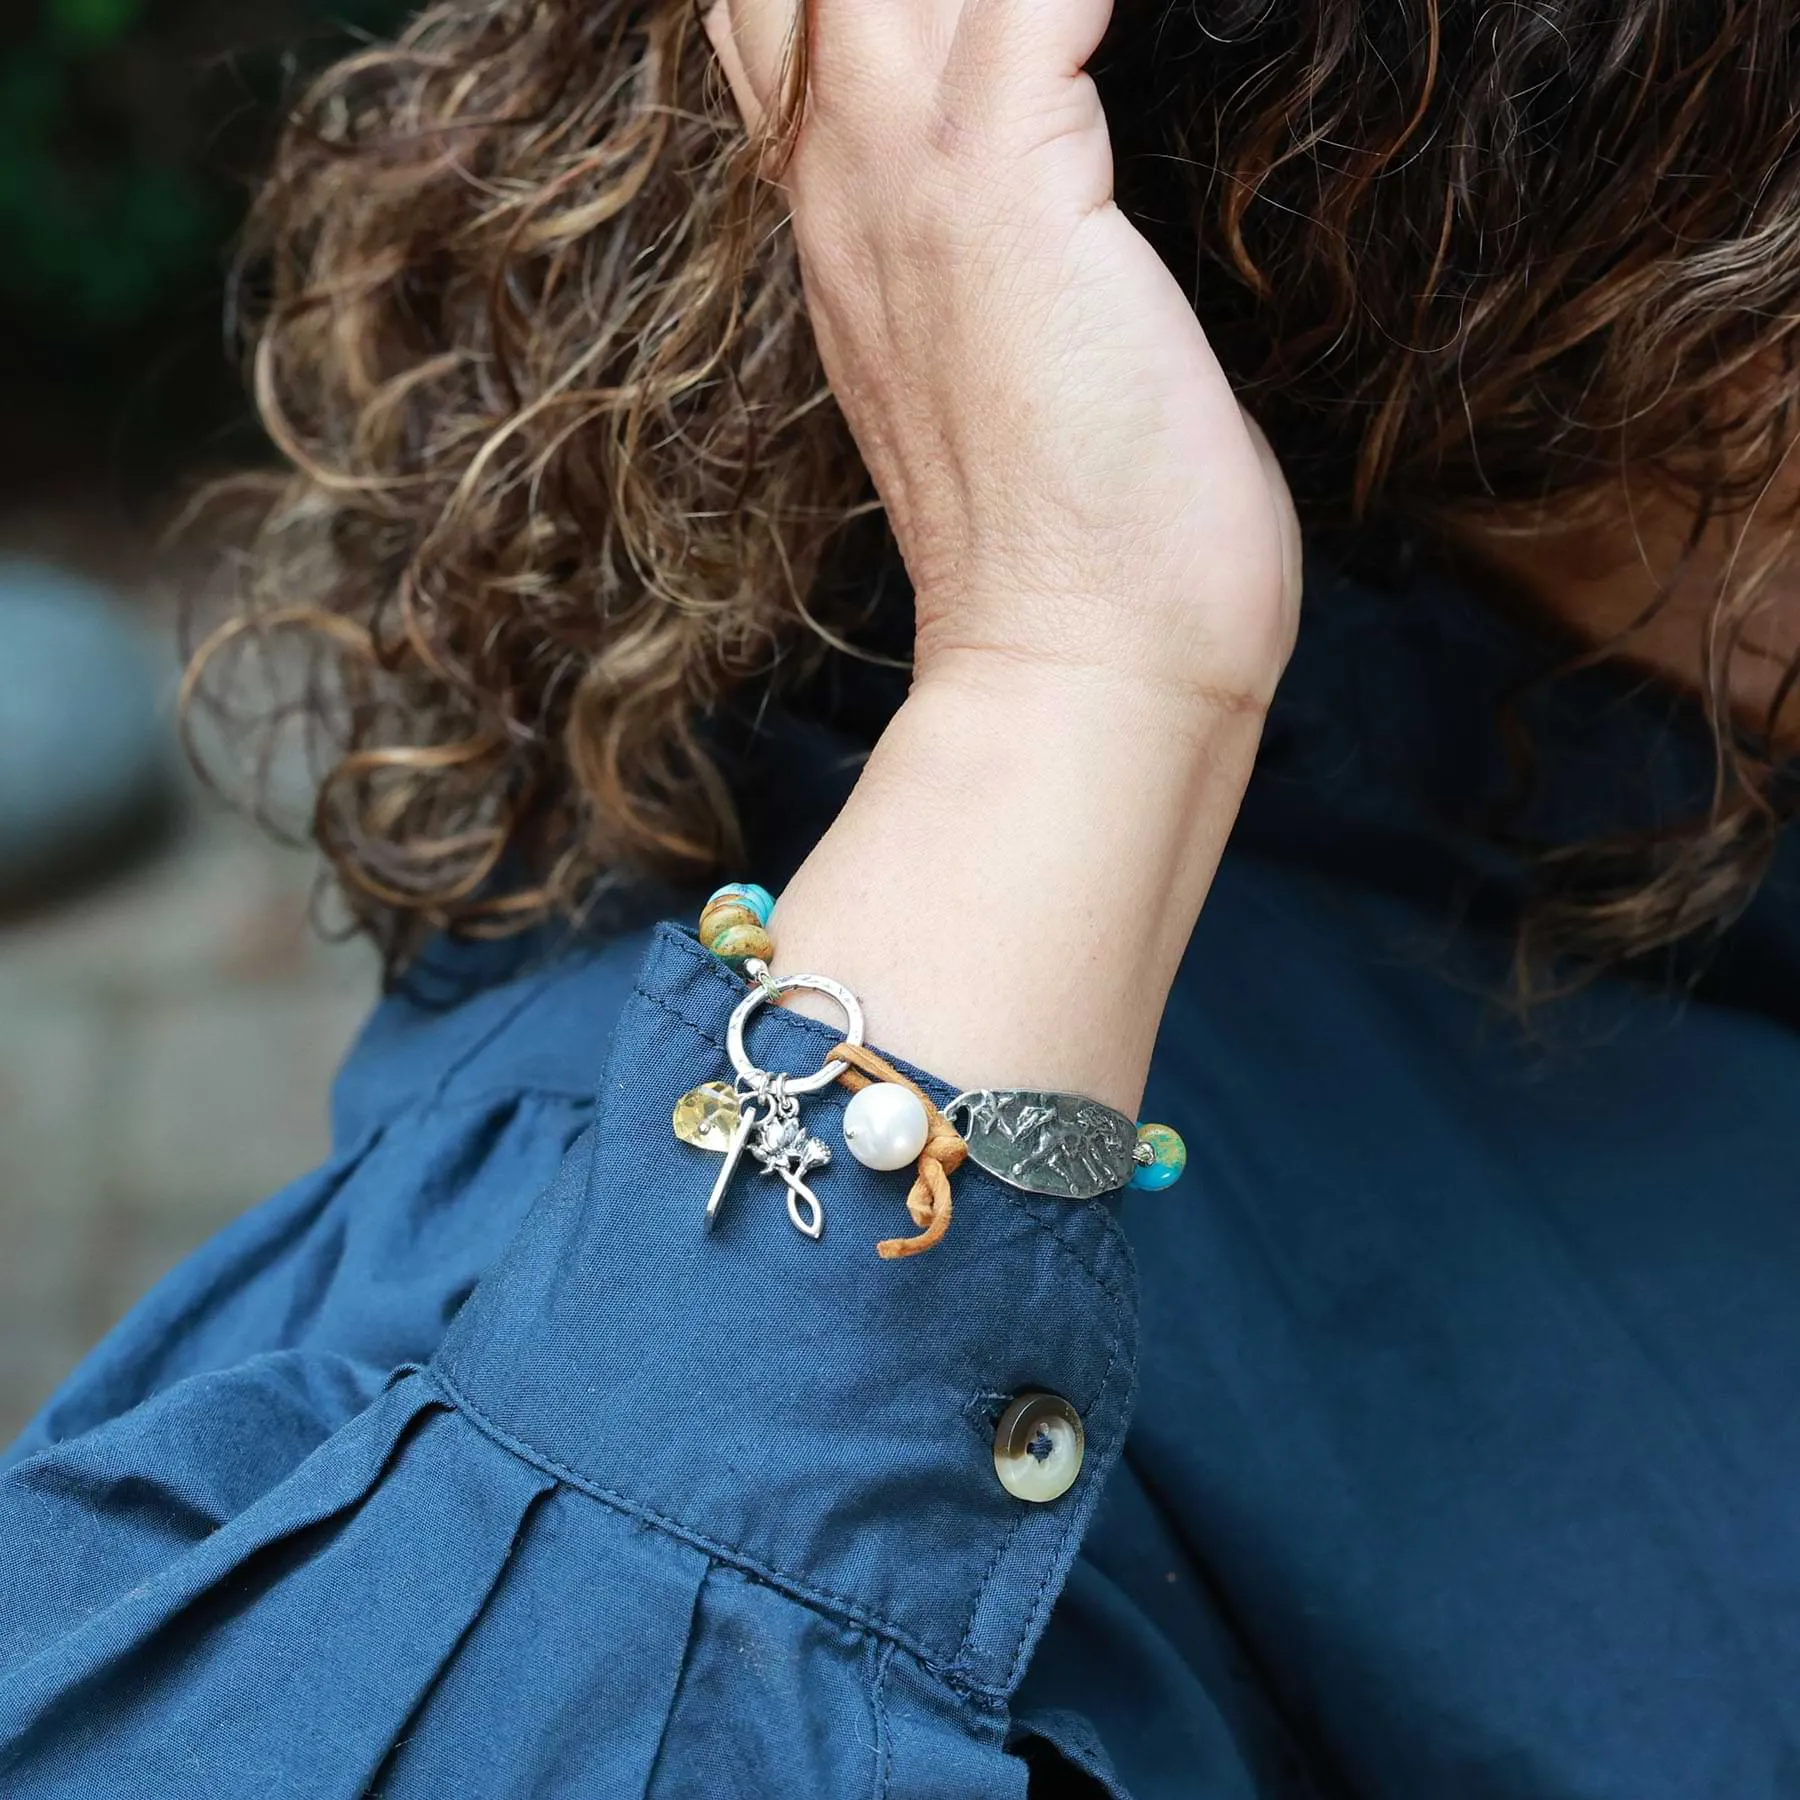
(1440, 1426)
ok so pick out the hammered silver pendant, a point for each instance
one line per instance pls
(1062, 1145)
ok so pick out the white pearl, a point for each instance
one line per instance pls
(885, 1126)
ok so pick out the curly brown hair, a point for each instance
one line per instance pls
(565, 476)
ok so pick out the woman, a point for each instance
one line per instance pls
(1434, 1437)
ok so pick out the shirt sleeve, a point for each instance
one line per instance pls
(662, 1512)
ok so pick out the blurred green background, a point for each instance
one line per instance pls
(169, 1019)
(130, 135)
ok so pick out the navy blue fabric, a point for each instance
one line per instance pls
(1439, 1426)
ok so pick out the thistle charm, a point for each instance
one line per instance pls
(784, 1147)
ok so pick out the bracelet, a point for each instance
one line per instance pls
(1064, 1146)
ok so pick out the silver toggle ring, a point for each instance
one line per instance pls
(768, 988)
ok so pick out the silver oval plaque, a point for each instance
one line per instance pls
(1062, 1145)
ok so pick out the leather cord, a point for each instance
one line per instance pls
(929, 1198)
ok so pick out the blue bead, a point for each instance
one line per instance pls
(1152, 1178)
(1168, 1159)
(747, 893)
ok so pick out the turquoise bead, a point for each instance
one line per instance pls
(748, 894)
(1168, 1157)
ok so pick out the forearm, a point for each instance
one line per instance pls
(1011, 885)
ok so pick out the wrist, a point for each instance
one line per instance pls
(1012, 884)
(1089, 796)
(1185, 665)
(1110, 709)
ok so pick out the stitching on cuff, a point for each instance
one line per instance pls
(880, 1728)
(664, 1004)
(1075, 1525)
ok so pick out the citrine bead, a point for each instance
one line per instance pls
(706, 1116)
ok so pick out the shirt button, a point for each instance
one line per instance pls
(1038, 1447)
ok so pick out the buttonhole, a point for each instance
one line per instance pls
(983, 1409)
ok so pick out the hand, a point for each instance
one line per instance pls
(1068, 474)
(1104, 553)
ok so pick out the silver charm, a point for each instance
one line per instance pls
(748, 1120)
(786, 1148)
(772, 987)
(1062, 1145)
(768, 1125)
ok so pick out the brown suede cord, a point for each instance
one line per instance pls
(929, 1200)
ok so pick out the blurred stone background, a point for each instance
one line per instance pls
(169, 1018)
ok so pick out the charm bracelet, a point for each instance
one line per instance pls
(1064, 1146)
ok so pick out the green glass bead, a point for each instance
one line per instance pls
(1168, 1157)
(737, 942)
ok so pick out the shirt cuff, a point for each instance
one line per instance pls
(802, 1410)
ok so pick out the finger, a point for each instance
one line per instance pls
(862, 54)
(1008, 53)
(1033, 38)
(752, 39)
(717, 21)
